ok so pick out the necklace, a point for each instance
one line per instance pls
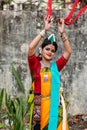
(45, 64)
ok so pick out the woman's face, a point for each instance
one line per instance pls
(48, 52)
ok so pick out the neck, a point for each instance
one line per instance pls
(45, 63)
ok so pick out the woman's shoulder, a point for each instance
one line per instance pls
(61, 62)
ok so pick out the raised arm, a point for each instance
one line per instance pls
(67, 46)
(36, 40)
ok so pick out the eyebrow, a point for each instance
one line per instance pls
(48, 48)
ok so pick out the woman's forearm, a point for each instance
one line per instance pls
(67, 46)
(35, 42)
(37, 39)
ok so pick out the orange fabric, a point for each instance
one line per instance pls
(45, 107)
(45, 83)
(60, 126)
(33, 85)
(45, 101)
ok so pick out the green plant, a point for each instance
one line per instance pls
(86, 2)
(2, 125)
(20, 84)
(16, 111)
(7, 1)
(1, 97)
(31, 107)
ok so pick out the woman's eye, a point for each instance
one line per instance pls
(53, 51)
(47, 49)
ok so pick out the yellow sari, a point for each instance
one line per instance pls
(45, 101)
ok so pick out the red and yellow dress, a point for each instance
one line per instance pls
(42, 87)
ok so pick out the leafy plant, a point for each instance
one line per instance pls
(1, 97)
(20, 84)
(2, 125)
(86, 2)
(16, 110)
(7, 1)
(31, 107)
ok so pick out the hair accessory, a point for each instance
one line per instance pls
(51, 38)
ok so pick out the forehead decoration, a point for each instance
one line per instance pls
(51, 38)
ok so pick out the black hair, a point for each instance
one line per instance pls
(47, 42)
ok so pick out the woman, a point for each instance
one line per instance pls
(46, 78)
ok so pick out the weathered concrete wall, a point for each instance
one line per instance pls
(17, 29)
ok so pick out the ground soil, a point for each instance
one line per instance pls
(78, 122)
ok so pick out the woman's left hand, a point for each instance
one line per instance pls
(61, 26)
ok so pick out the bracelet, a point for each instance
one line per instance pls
(64, 37)
(42, 33)
(61, 34)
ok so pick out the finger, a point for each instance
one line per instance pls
(49, 19)
(59, 21)
(63, 21)
(45, 18)
(52, 19)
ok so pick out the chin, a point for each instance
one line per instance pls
(49, 59)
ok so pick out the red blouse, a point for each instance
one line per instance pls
(35, 65)
(34, 60)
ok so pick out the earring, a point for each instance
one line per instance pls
(40, 51)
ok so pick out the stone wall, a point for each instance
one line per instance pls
(17, 29)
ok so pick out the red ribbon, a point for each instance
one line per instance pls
(49, 8)
(68, 20)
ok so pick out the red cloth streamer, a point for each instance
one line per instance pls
(75, 18)
(49, 8)
(72, 11)
(68, 20)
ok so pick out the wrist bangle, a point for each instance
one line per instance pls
(61, 34)
(64, 39)
(42, 33)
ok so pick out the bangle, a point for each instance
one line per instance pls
(64, 37)
(42, 33)
(61, 34)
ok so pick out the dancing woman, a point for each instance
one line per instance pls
(45, 73)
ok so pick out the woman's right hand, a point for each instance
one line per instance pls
(47, 23)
